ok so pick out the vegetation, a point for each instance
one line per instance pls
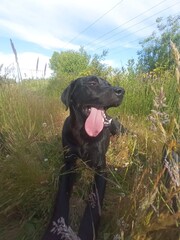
(71, 64)
(155, 52)
(137, 204)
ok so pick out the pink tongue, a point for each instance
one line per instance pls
(95, 122)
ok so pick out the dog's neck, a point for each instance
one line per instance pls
(76, 125)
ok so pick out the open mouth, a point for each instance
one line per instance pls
(96, 120)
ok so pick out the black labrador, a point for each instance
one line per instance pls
(85, 135)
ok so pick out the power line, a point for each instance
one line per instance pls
(133, 26)
(93, 23)
(115, 49)
(91, 42)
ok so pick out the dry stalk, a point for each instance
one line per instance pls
(177, 60)
(16, 59)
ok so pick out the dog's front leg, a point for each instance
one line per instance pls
(67, 180)
(58, 227)
(91, 218)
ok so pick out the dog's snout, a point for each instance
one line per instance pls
(119, 91)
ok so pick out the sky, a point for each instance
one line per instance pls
(40, 27)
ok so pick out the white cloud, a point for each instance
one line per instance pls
(31, 34)
(52, 24)
(27, 62)
(48, 23)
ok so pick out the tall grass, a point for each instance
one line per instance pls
(139, 96)
(30, 127)
(136, 206)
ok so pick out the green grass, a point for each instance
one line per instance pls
(30, 152)
(136, 204)
(139, 96)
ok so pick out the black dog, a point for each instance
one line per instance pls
(86, 135)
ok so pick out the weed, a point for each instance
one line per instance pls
(137, 204)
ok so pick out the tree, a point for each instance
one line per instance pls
(155, 51)
(96, 66)
(69, 62)
(75, 63)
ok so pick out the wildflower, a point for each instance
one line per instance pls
(44, 125)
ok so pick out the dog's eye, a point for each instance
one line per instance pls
(92, 83)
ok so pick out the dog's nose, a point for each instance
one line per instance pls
(119, 91)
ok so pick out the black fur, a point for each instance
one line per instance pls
(82, 94)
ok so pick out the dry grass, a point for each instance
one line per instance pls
(137, 204)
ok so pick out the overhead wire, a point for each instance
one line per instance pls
(133, 26)
(93, 23)
(114, 29)
(138, 39)
(91, 42)
(115, 48)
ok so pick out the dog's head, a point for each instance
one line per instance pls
(92, 96)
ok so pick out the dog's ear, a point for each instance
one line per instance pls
(66, 95)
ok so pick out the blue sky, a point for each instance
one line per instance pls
(40, 27)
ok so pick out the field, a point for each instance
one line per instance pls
(137, 204)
